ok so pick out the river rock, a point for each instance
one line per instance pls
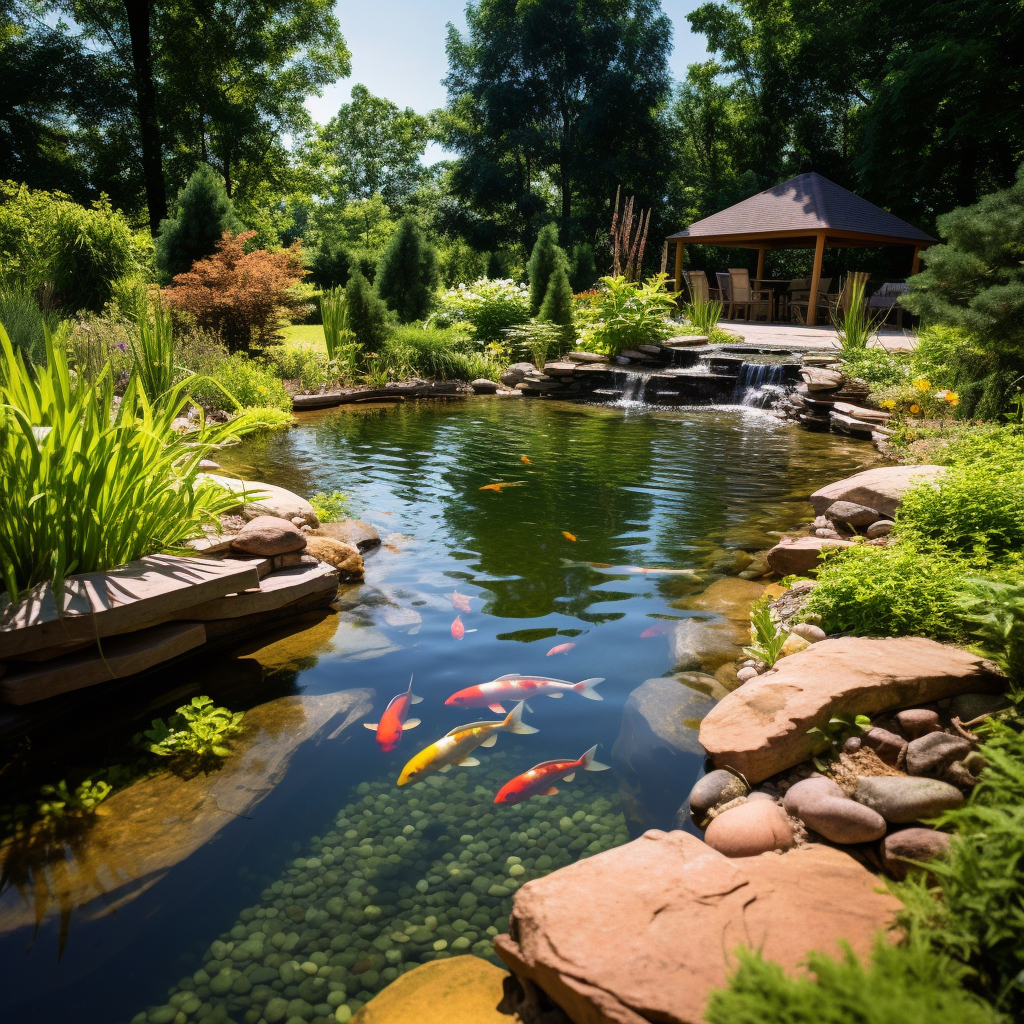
(458, 990)
(902, 799)
(918, 722)
(757, 826)
(881, 489)
(761, 728)
(516, 374)
(713, 790)
(646, 931)
(968, 706)
(268, 535)
(707, 643)
(360, 535)
(801, 556)
(344, 557)
(887, 745)
(822, 805)
(913, 844)
(811, 633)
(933, 753)
(483, 386)
(272, 500)
(852, 514)
(729, 597)
(656, 753)
(881, 528)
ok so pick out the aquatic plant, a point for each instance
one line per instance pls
(829, 741)
(58, 801)
(152, 346)
(342, 349)
(198, 730)
(703, 314)
(329, 507)
(854, 325)
(767, 639)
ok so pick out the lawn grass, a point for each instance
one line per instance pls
(305, 334)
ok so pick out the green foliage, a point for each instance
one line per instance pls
(72, 254)
(829, 741)
(199, 731)
(308, 367)
(909, 983)
(329, 508)
(88, 484)
(60, 801)
(557, 306)
(854, 325)
(767, 639)
(24, 322)
(623, 315)
(436, 355)
(546, 256)
(458, 262)
(343, 238)
(205, 212)
(486, 308)
(407, 275)
(703, 314)
(994, 612)
(583, 267)
(237, 382)
(535, 340)
(368, 316)
(878, 367)
(338, 335)
(152, 345)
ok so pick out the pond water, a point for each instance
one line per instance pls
(300, 879)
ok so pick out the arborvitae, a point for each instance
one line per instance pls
(205, 212)
(545, 257)
(367, 313)
(584, 268)
(557, 305)
(407, 275)
(497, 266)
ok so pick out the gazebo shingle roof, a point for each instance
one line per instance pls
(797, 211)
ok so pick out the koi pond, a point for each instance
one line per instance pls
(298, 879)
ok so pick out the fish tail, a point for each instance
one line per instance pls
(514, 721)
(585, 688)
(590, 765)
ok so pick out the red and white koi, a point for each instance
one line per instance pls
(460, 602)
(456, 746)
(517, 687)
(560, 649)
(458, 629)
(539, 780)
(393, 722)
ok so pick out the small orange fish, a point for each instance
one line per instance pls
(653, 631)
(460, 602)
(569, 536)
(524, 460)
(499, 486)
(560, 649)
(458, 629)
(394, 722)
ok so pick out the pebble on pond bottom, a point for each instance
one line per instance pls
(402, 877)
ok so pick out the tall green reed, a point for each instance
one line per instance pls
(703, 314)
(854, 325)
(152, 346)
(342, 348)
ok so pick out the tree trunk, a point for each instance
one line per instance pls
(138, 13)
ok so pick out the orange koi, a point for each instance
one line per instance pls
(393, 722)
(569, 536)
(500, 486)
(524, 460)
(458, 629)
(516, 687)
(653, 631)
(460, 602)
(538, 781)
(560, 649)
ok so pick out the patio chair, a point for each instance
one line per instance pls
(723, 287)
(743, 296)
(697, 284)
(800, 298)
(887, 299)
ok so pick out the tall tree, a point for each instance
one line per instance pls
(408, 274)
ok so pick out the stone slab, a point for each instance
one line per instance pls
(802, 555)
(260, 499)
(881, 488)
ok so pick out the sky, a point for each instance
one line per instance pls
(398, 51)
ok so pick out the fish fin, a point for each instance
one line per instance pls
(413, 699)
(468, 762)
(490, 741)
(371, 725)
(514, 722)
(471, 631)
(555, 696)
(498, 709)
(585, 687)
(527, 706)
(446, 768)
(569, 777)
(509, 675)
(410, 723)
(550, 791)
(590, 765)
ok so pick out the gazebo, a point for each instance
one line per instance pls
(806, 212)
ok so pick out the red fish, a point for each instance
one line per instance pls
(393, 722)
(458, 629)
(539, 780)
(653, 631)
(516, 687)
(460, 602)
(560, 649)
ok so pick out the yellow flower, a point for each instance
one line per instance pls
(887, 403)
(921, 384)
(915, 408)
(953, 398)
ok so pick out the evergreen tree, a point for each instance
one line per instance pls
(497, 267)
(368, 317)
(584, 268)
(545, 257)
(557, 305)
(204, 213)
(407, 275)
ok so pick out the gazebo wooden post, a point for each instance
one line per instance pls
(819, 253)
(679, 266)
(760, 262)
(915, 265)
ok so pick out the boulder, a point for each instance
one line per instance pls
(272, 500)
(700, 643)
(713, 790)
(911, 844)
(887, 745)
(968, 706)
(918, 722)
(822, 805)
(483, 386)
(344, 557)
(268, 535)
(933, 753)
(656, 754)
(881, 489)
(360, 535)
(516, 374)
(852, 514)
(800, 557)
(811, 633)
(761, 728)
(646, 931)
(902, 799)
(820, 379)
(881, 528)
(757, 826)
(457, 990)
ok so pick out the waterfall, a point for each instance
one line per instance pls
(632, 386)
(758, 383)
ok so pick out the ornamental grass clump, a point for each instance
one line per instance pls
(87, 484)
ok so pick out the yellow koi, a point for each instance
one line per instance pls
(455, 747)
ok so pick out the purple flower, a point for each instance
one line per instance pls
(121, 346)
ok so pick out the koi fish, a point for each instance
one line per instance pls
(498, 487)
(653, 631)
(538, 780)
(568, 563)
(458, 629)
(560, 649)
(460, 602)
(456, 746)
(393, 722)
(663, 572)
(569, 536)
(524, 460)
(516, 687)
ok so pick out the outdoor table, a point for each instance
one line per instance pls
(776, 286)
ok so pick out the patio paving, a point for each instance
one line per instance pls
(783, 335)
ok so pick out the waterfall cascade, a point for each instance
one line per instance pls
(632, 386)
(758, 383)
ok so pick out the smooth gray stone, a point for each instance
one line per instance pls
(903, 799)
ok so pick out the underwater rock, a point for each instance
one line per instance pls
(360, 535)
(761, 728)
(656, 752)
(344, 557)
(914, 844)
(881, 489)
(460, 990)
(707, 644)
(268, 535)
(822, 805)
(800, 557)
(730, 597)
(902, 799)
(934, 752)
(757, 826)
(646, 931)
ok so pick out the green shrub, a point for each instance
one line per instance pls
(557, 307)
(624, 314)
(307, 367)
(407, 275)
(994, 613)
(435, 355)
(237, 381)
(92, 342)
(583, 273)
(545, 257)
(999, 448)
(368, 316)
(329, 508)
(23, 321)
(879, 368)
(486, 308)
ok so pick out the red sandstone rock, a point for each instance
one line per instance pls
(752, 828)
(645, 931)
(801, 556)
(881, 489)
(761, 728)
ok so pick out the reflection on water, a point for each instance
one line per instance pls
(225, 905)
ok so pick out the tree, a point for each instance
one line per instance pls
(368, 316)
(408, 275)
(583, 274)
(557, 305)
(348, 237)
(545, 258)
(204, 213)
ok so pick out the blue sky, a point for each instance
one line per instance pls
(398, 50)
